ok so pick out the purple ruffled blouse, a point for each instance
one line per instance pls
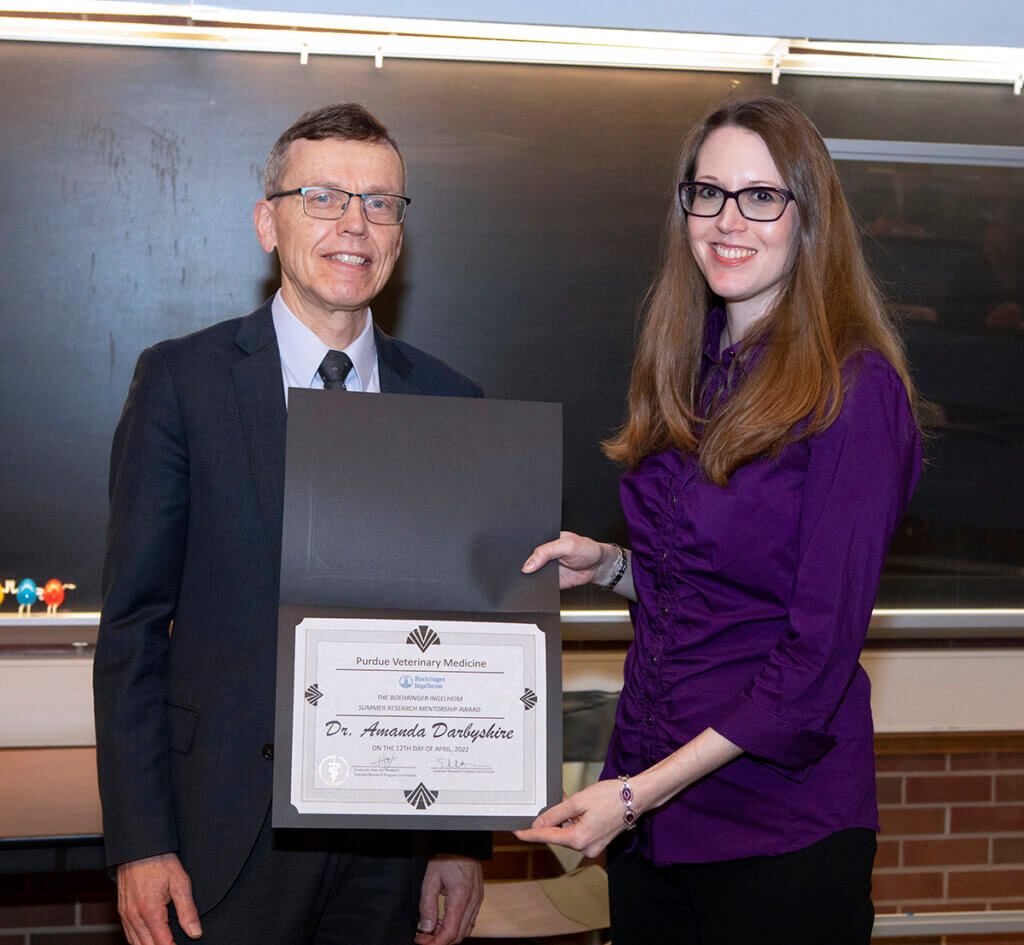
(754, 603)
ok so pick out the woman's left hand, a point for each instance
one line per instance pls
(588, 821)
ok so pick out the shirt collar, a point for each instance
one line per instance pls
(302, 351)
(713, 326)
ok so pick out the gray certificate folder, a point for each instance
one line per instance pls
(412, 515)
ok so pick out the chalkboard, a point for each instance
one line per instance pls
(127, 181)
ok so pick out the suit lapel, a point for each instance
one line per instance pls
(260, 393)
(394, 366)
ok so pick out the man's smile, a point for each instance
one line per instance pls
(350, 258)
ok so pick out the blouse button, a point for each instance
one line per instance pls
(675, 499)
(654, 660)
(664, 610)
(650, 719)
(664, 555)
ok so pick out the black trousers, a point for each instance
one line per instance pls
(313, 887)
(820, 895)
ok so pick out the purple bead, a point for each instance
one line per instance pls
(627, 793)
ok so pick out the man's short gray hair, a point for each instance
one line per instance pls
(348, 121)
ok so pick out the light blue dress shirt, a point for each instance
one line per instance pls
(302, 353)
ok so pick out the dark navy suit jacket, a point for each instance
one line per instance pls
(184, 715)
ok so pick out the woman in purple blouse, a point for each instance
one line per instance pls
(772, 448)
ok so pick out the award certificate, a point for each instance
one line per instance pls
(397, 716)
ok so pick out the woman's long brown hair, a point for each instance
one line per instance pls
(828, 309)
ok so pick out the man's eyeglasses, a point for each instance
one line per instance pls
(329, 203)
(762, 204)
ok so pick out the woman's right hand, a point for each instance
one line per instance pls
(580, 559)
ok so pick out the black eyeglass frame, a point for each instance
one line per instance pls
(301, 191)
(735, 195)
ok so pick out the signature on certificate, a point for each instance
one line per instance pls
(456, 764)
(383, 761)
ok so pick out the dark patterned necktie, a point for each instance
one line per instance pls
(334, 369)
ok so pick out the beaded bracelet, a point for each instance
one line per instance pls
(620, 568)
(626, 796)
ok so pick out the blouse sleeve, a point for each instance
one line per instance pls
(860, 475)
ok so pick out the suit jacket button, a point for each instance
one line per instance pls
(268, 752)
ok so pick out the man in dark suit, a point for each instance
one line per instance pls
(184, 715)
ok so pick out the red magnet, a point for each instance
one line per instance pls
(53, 593)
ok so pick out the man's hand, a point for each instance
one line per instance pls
(144, 888)
(460, 880)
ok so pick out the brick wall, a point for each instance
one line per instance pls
(952, 812)
(952, 821)
(59, 909)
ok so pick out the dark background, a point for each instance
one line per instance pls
(127, 181)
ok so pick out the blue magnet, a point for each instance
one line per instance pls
(27, 592)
